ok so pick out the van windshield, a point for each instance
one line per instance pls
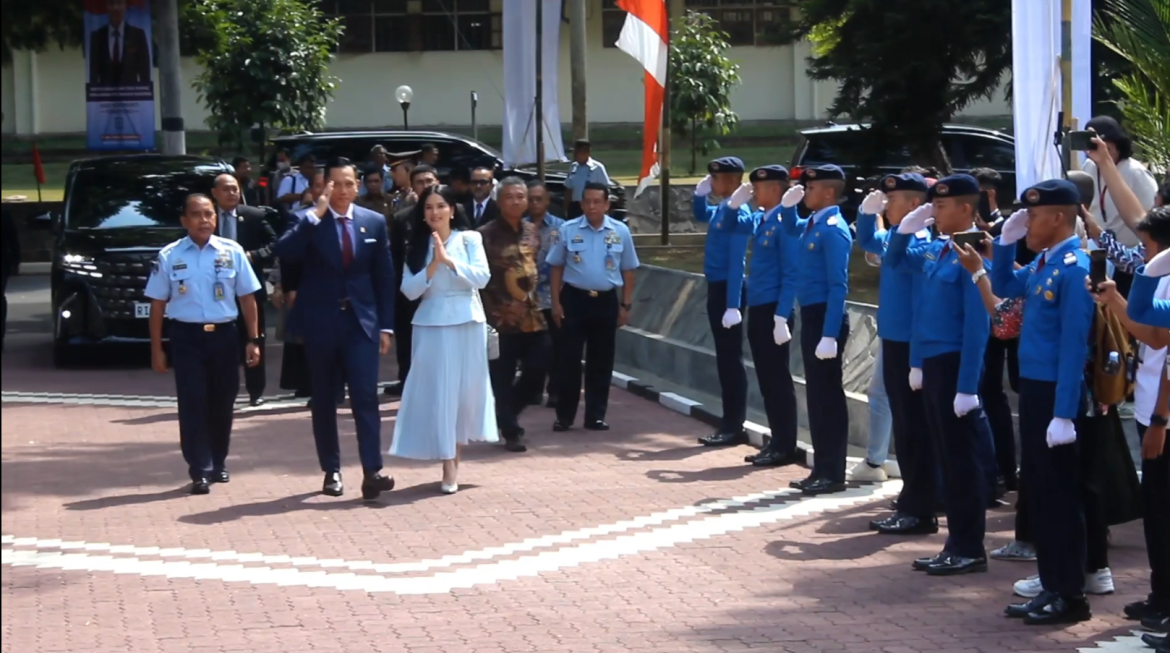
(135, 194)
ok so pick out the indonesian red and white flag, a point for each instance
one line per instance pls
(644, 37)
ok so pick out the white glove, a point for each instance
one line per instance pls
(780, 332)
(1159, 266)
(827, 348)
(965, 404)
(874, 203)
(917, 220)
(741, 196)
(731, 317)
(704, 187)
(1015, 228)
(1061, 431)
(792, 196)
(915, 378)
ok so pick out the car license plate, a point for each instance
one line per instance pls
(141, 310)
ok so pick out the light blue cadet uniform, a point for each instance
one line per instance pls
(770, 295)
(899, 295)
(200, 286)
(1142, 307)
(954, 327)
(725, 254)
(822, 283)
(593, 262)
(1054, 347)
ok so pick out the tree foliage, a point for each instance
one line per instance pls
(1139, 32)
(701, 81)
(268, 66)
(907, 67)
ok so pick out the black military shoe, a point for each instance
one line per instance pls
(561, 427)
(922, 564)
(220, 476)
(1021, 610)
(375, 484)
(822, 486)
(800, 483)
(954, 565)
(332, 487)
(900, 524)
(1158, 623)
(770, 458)
(1154, 641)
(200, 486)
(596, 425)
(1062, 610)
(1139, 610)
(724, 439)
(256, 402)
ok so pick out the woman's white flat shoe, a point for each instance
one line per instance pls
(449, 489)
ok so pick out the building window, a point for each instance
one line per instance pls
(747, 22)
(416, 25)
(612, 20)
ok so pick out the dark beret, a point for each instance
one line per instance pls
(725, 164)
(823, 173)
(770, 173)
(1054, 192)
(905, 181)
(954, 186)
(1107, 128)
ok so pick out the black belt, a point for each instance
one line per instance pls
(592, 293)
(210, 327)
(344, 304)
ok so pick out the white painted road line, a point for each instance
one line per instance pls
(468, 557)
(442, 583)
(1120, 644)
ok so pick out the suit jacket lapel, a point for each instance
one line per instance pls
(328, 242)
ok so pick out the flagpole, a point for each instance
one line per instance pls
(664, 141)
(540, 168)
(1066, 85)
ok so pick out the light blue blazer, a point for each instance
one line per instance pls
(450, 297)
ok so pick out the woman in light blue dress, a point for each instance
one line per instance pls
(447, 401)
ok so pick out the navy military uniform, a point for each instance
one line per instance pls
(899, 294)
(593, 260)
(725, 254)
(770, 296)
(954, 327)
(822, 283)
(200, 286)
(1057, 320)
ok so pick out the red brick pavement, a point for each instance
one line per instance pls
(814, 583)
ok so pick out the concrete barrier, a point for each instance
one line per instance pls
(668, 338)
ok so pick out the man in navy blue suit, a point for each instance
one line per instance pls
(345, 314)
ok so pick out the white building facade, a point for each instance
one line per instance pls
(445, 50)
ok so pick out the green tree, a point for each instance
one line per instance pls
(701, 80)
(1139, 32)
(907, 67)
(268, 66)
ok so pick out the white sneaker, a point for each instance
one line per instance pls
(1015, 551)
(1099, 582)
(1125, 410)
(862, 472)
(891, 469)
(1028, 588)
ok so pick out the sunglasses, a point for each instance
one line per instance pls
(480, 182)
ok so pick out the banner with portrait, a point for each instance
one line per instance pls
(119, 85)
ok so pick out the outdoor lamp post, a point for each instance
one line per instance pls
(404, 94)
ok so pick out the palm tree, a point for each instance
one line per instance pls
(1139, 32)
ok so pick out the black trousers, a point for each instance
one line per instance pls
(1156, 500)
(728, 359)
(554, 362)
(828, 413)
(255, 378)
(774, 376)
(995, 404)
(956, 439)
(207, 380)
(589, 330)
(1124, 281)
(1053, 477)
(1092, 435)
(529, 353)
(404, 310)
(916, 455)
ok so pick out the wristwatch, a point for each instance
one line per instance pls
(979, 274)
(258, 340)
(1157, 420)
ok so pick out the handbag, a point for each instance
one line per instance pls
(493, 336)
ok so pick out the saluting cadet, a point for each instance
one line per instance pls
(1058, 316)
(953, 327)
(899, 294)
(592, 263)
(822, 282)
(725, 252)
(194, 284)
(771, 293)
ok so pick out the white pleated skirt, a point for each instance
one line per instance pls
(448, 397)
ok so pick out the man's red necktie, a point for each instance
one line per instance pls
(346, 243)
